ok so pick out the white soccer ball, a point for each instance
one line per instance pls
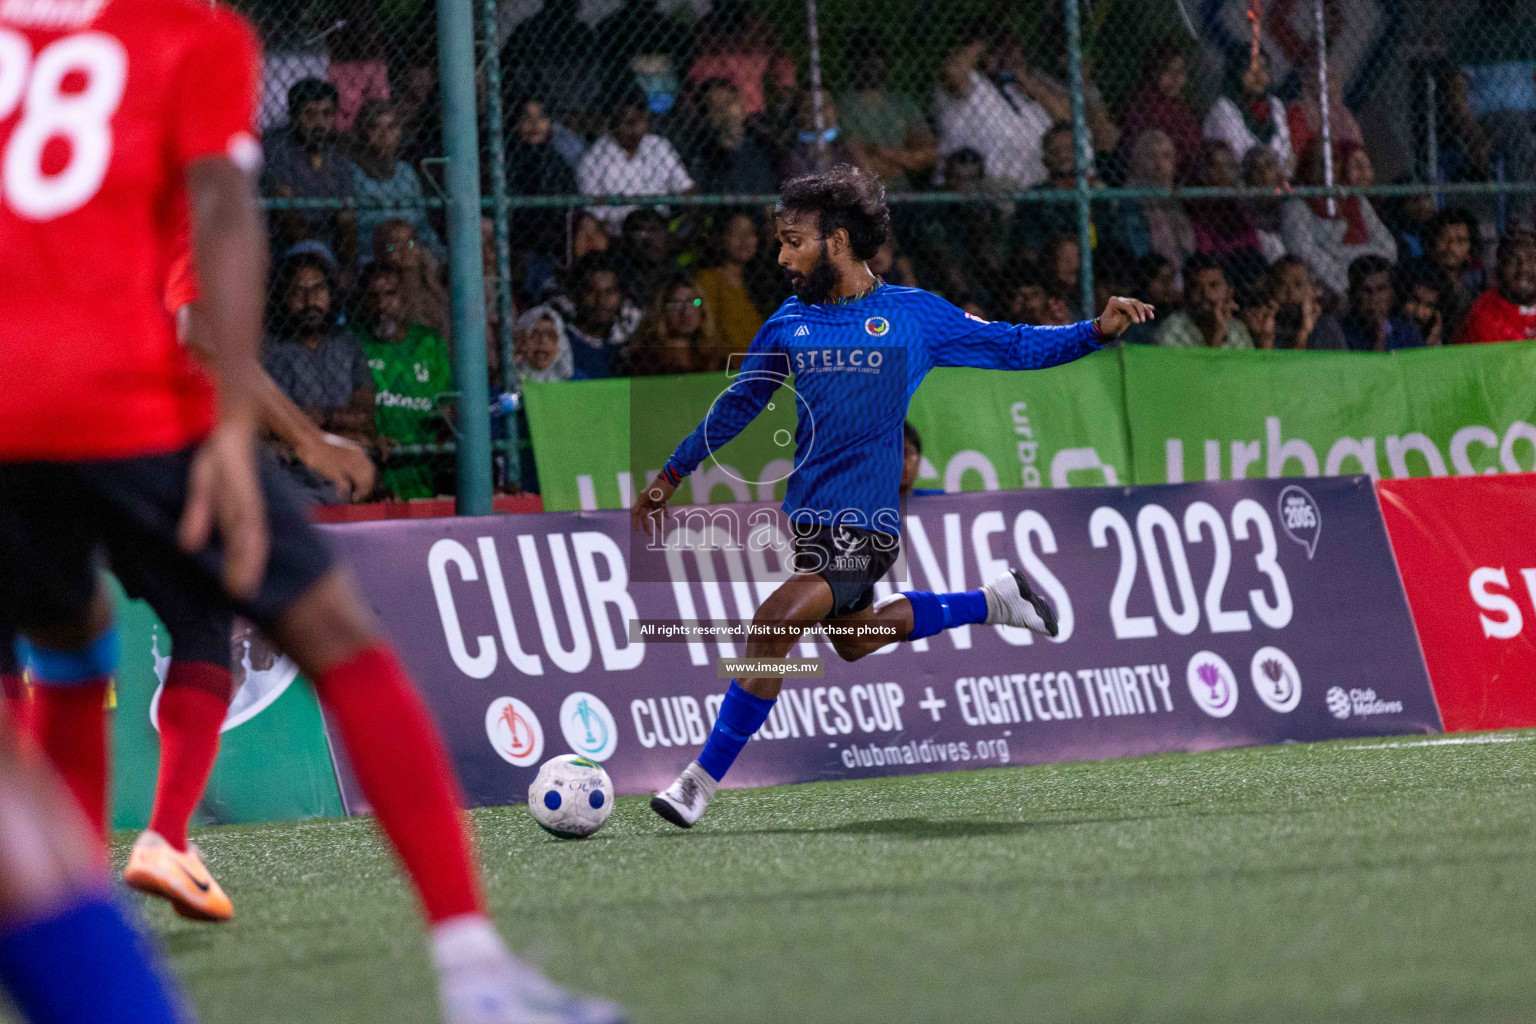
(571, 796)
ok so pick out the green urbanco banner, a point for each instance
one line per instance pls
(1136, 415)
(981, 430)
(274, 763)
(1209, 415)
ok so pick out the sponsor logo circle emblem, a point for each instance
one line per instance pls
(588, 726)
(877, 326)
(256, 687)
(1275, 679)
(514, 731)
(1212, 684)
(1338, 702)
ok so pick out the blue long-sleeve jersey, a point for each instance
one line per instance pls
(855, 368)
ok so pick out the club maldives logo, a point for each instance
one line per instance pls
(262, 675)
(1359, 702)
(1212, 684)
(588, 726)
(514, 731)
(877, 326)
(1338, 702)
(1275, 679)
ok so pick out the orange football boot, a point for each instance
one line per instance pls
(158, 868)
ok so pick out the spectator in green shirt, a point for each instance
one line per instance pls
(411, 373)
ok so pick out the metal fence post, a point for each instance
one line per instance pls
(1081, 148)
(456, 68)
(818, 119)
(501, 217)
(1322, 104)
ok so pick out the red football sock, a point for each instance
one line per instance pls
(403, 768)
(70, 726)
(16, 702)
(192, 708)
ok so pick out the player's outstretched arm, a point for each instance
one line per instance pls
(229, 255)
(956, 338)
(763, 369)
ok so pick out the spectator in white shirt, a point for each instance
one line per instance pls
(1248, 114)
(1329, 241)
(988, 100)
(630, 161)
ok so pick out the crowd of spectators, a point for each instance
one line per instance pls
(642, 105)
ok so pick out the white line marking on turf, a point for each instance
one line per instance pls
(1449, 741)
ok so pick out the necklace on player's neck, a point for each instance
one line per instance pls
(875, 284)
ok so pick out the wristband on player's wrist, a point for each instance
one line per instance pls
(671, 475)
(1098, 331)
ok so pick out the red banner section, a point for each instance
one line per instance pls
(417, 508)
(1467, 554)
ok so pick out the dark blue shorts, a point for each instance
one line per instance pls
(62, 522)
(851, 560)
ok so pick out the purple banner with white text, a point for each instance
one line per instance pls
(1193, 616)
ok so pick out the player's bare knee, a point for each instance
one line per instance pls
(327, 625)
(849, 650)
(774, 632)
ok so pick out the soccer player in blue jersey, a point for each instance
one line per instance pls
(858, 348)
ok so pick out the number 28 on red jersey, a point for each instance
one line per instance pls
(104, 104)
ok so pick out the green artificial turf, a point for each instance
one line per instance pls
(1331, 882)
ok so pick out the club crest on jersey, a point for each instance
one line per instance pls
(877, 326)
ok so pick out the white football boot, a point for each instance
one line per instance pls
(1011, 601)
(480, 982)
(683, 802)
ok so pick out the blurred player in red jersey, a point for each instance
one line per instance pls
(198, 685)
(114, 117)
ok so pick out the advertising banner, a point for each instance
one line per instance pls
(981, 430)
(1192, 617)
(274, 761)
(1139, 415)
(1211, 415)
(1467, 554)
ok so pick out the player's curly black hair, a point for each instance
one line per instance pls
(843, 197)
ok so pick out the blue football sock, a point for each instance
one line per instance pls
(741, 715)
(933, 613)
(85, 964)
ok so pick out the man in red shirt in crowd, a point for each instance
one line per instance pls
(115, 117)
(1506, 312)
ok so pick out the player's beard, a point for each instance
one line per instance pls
(817, 285)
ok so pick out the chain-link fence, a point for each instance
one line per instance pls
(359, 324)
(1262, 190)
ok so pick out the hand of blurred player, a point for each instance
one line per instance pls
(1119, 313)
(343, 462)
(651, 505)
(224, 491)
